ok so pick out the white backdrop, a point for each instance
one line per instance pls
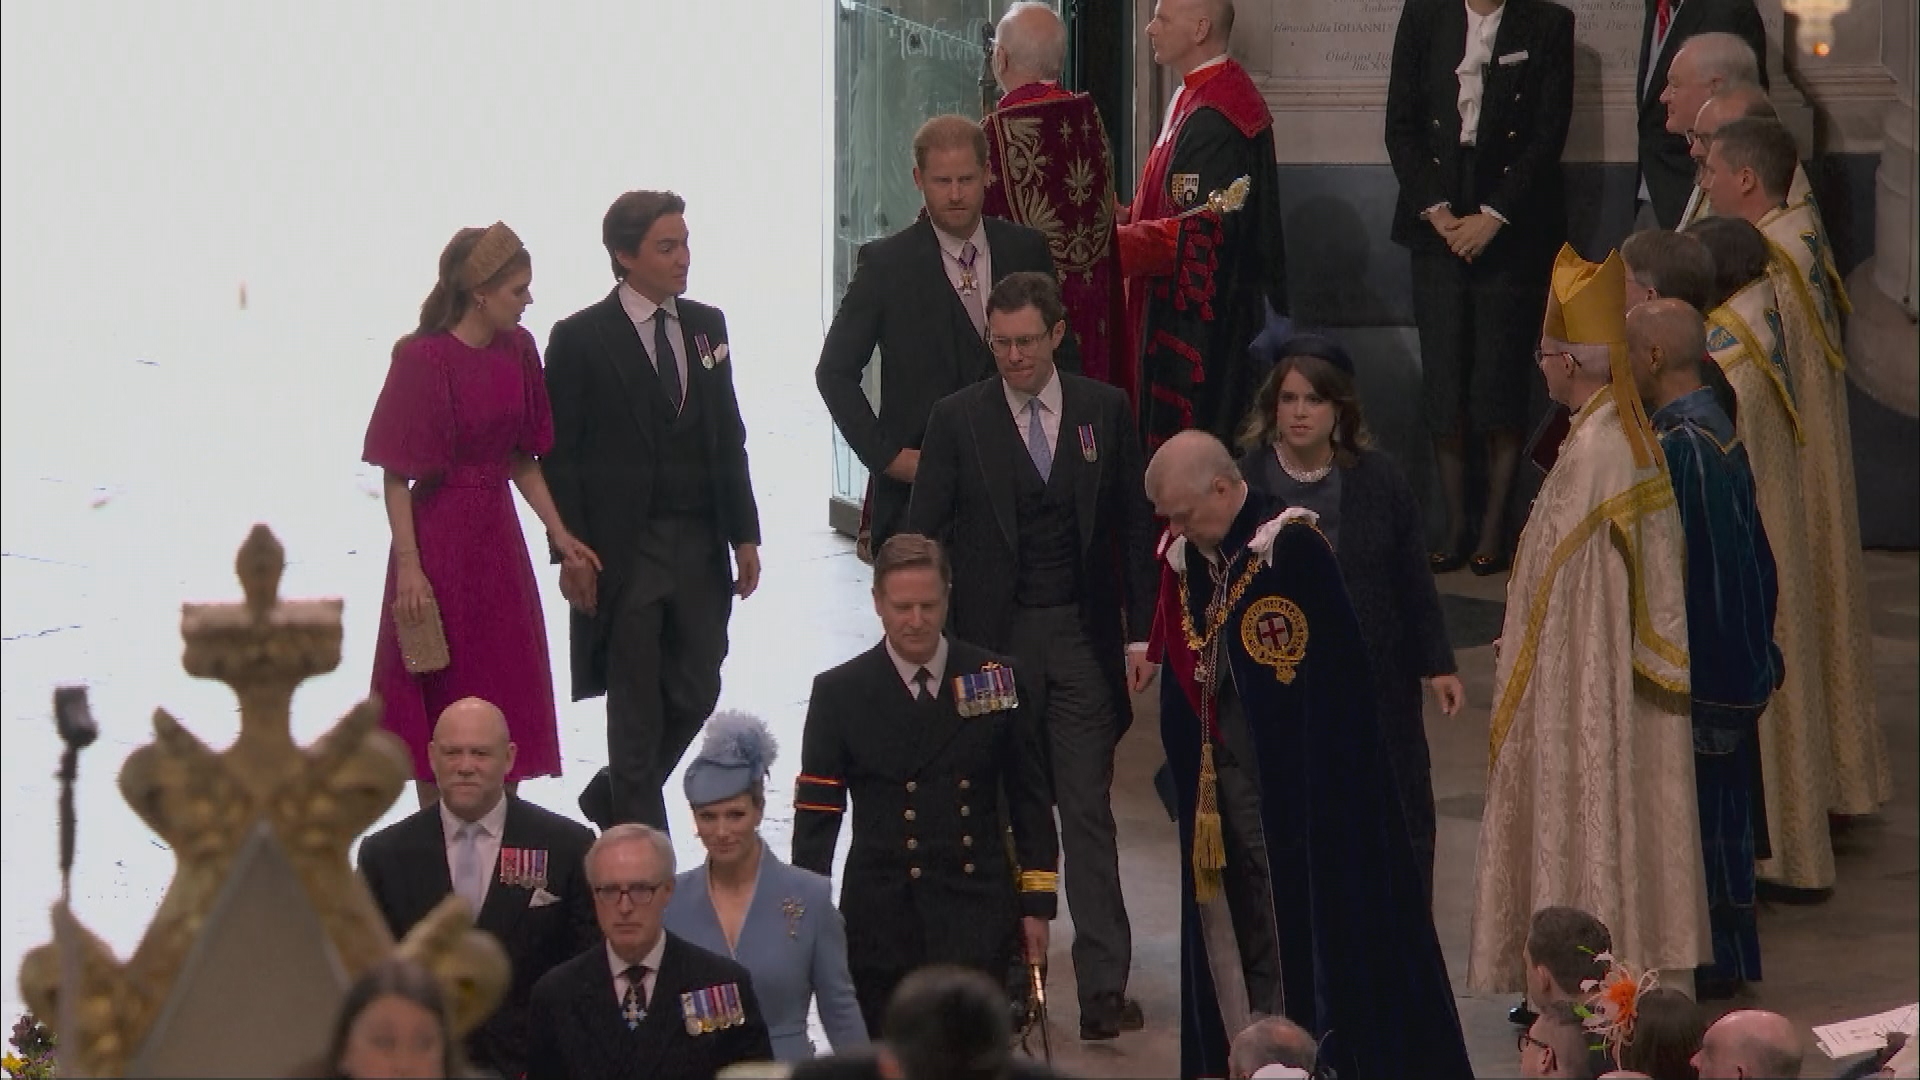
(162, 158)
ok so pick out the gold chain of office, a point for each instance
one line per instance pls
(1216, 615)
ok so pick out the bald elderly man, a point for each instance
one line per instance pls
(519, 867)
(1750, 1043)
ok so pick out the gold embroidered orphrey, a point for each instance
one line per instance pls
(214, 807)
(1076, 250)
(1274, 633)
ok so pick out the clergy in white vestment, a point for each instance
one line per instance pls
(1590, 802)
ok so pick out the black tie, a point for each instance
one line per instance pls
(924, 680)
(663, 359)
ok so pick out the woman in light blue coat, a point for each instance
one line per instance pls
(777, 920)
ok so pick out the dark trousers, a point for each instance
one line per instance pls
(1724, 772)
(668, 639)
(874, 984)
(1479, 324)
(1075, 698)
(1247, 882)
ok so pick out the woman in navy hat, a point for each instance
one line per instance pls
(777, 920)
(1306, 442)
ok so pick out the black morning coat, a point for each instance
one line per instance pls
(580, 1033)
(601, 469)
(1526, 107)
(965, 495)
(901, 301)
(405, 867)
(928, 859)
(1664, 159)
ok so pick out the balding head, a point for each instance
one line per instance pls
(1704, 64)
(1029, 45)
(1195, 485)
(1186, 33)
(1665, 341)
(1274, 1040)
(1750, 1043)
(471, 754)
(1735, 101)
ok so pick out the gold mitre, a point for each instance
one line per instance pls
(265, 924)
(1587, 305)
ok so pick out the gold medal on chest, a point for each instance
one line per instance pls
(1274, 633)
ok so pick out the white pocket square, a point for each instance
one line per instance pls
(1513, 58)
(541, 898)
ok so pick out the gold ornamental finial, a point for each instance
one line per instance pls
(265, 922)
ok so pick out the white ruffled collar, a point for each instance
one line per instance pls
(1174, 548)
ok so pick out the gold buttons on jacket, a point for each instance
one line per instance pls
(965, 811)
(966, 841)
(912, 844)
(966, 785)
(968, 868)
(914, 873)
(912, 786)
(909, 814)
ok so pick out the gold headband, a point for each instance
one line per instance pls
(496, 247)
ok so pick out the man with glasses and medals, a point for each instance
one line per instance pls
(645, 1003)
(1592, 746)
(1034, 480)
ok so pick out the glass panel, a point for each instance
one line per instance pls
(894, 66)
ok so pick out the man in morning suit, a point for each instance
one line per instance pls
(920, 296)
(649, 468)
(1478, 104)
(1034, 481)
(1666, 169)
(647, 1004)
(930, 736)
(520, 869)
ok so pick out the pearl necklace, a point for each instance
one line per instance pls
(1302, 476)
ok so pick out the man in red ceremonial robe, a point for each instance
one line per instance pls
(1050, 167)
(1200, 282)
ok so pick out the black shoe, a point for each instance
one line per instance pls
(1445, 562)
(1715, 987)
(1775, 893)
(1521, 1016)
(1110, 1015)
(1489, 565)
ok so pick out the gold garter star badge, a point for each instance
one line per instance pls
(1274, 633)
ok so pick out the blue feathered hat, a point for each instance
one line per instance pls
(738, 753)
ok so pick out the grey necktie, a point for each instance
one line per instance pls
(1037, 446)
(469, 877)
(664, 361)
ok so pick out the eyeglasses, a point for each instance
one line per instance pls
(1540, 356)
(637, 893)
(1026, 343)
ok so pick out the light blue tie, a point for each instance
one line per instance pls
(469, 877)
(1037, 447)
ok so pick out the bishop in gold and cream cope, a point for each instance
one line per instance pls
(1590, 801)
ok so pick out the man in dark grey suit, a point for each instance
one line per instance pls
(520, 868)
(649, 468)
(1036, 483)
(919, 296)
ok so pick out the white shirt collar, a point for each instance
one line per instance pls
(640, 309)
(1204, 65)
(1049, 395)
(651, 961)
(492, 823)
(908, 669)
(1485, 23)
(953, 247)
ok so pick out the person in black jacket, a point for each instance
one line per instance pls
(1666, 169)
(647, 1003)
(929, 737)
(1306, 444)
(520, 868)
(1482, 210)
(920, 296)
(1035, 478)
(649, 467)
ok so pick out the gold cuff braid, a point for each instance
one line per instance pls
(1039, 881)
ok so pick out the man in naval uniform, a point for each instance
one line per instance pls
(927, 736)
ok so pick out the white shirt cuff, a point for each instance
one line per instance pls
(1136, 648)
(1497, 215)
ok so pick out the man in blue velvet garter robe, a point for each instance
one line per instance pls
(1731, 597)
(1264, 652)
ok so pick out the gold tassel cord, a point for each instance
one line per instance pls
(1209, 844)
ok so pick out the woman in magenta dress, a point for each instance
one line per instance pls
(463, 413)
